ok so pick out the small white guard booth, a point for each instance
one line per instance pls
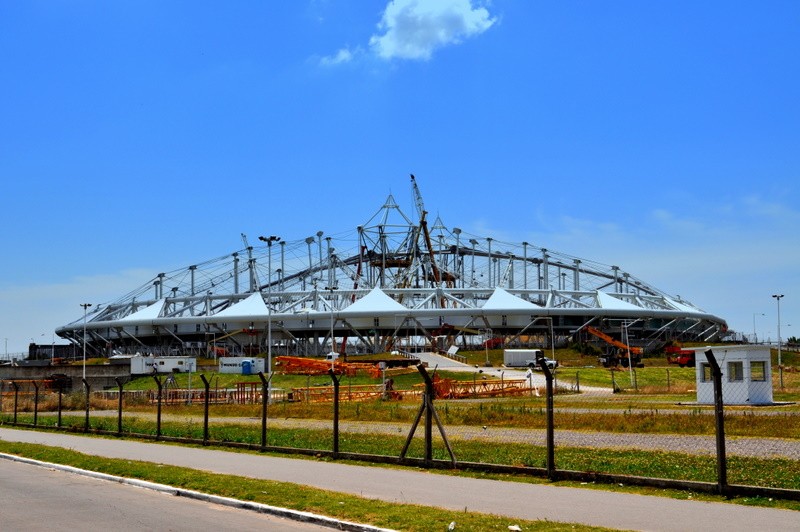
(746, 374)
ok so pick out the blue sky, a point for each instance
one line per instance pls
(139, 137)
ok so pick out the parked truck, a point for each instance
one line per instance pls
(520, 358)
(677, 355)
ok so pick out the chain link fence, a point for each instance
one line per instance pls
(705, 428)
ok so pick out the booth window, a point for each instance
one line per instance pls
(735, 371)
(706, 372)
(758, 371)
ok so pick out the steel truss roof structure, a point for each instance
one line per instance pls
(389, 279)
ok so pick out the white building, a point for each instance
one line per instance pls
(746, 374)
(149, 365)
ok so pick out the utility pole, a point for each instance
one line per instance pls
(269, 241)
(780, 365)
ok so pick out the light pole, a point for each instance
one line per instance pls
(269, 240)
(472, 277)
(780, 366)
(755, 336)
(85, 307)
(333, 344)
(487, 335)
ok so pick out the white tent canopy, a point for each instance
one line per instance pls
(150, 312)
(376, 301)
(501, 299)
(251, 306)
(610, 302)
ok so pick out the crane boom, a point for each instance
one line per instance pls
(417, 197)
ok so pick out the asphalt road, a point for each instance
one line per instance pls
(512, 499)
(34, 499)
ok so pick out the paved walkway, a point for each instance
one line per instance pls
(511, 499)
(699, 445)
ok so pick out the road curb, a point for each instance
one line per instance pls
(295, 515)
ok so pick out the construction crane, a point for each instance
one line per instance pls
(624, 353)
(609, 340)
(417, 197)
(436, 273)
(424, 226)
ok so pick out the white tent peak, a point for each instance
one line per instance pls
(501, 299)
(150, 312)
(607, 301)
(253, 305)
(376, 300)
(679, 305)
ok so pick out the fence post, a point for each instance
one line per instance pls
(35, 403)
(428, 399)
(719, 415)
(207, 386)
(578, 381)
(335, 413)
(16, 399)
(551, 454)
(430, 413)
(158, 408)
(119, 405)
(88, 389)
(60, 394)
(265, 399)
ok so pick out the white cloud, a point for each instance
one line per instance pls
(413, 29)
(344, 55)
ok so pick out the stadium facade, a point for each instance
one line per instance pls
(393, 283)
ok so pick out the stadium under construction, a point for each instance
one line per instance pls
(393, 283)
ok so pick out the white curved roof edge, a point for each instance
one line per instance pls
(405, 312)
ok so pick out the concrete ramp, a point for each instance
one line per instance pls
(433, 360)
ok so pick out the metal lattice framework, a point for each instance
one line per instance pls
(390, 280)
